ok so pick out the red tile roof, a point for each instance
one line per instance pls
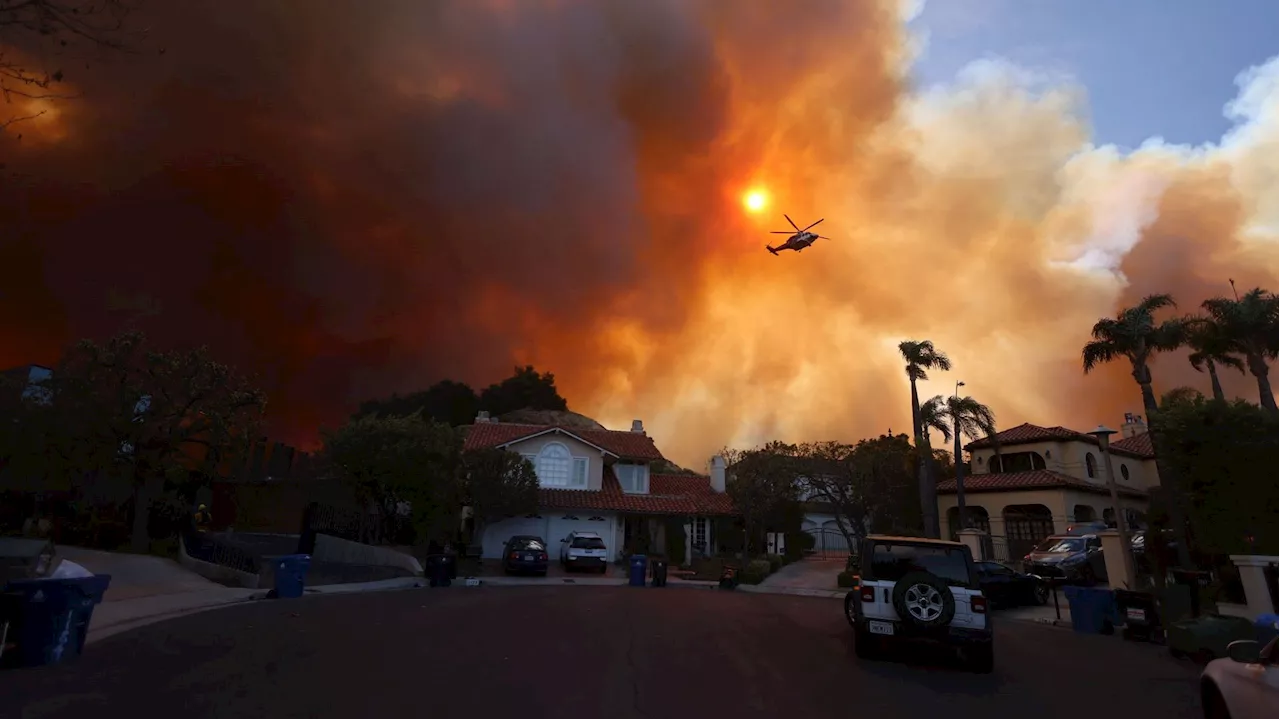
(1137, 444)
(668, 494)
(1036, 479)
(625, 444)
(1026, 433)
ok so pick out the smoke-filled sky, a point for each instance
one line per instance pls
(366, 197)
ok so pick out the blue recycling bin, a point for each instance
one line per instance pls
(1093, 609)
(637, 569)
(291, 575)
(49, 619)
(1265, 627)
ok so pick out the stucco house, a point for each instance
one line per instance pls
(602, 481)
(1045, 479)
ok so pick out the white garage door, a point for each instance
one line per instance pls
(562, 524)
(497, 534)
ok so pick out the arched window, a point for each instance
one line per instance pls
(555, 465)
(1124, 472)
(1089, 467)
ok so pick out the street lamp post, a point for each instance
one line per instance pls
(955, 434)
(1103, 435)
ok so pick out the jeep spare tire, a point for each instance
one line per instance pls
(924, 600)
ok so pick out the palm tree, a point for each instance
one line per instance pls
(921, 356)
(1250, 325)
(957, 417)
(1211, 348)
(1134, 335)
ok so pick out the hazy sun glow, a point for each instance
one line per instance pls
(755, 200)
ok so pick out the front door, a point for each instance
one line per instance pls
(700, 537)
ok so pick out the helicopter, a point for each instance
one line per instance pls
(798, 240)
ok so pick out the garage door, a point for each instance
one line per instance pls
(562, 524)
(497, 534)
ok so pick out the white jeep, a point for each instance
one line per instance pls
(914, 589)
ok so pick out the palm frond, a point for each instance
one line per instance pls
(1097, 353)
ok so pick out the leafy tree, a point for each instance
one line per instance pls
(453, 403)
(33, 30)
(893, 502)
(1250, 324)
(1225, 454)
(498, 484)
(762, 484)
(158, 421)
(1134, 335)
(859, 483)
(1212, 347)
(921, 356)
(966, 417)
(524, 389)
(402, 467)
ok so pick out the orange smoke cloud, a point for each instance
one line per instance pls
(357, 203)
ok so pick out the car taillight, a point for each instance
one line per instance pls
(868, 594)
(543, 556)
(515, 556)
(979, 605)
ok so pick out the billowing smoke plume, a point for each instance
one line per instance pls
(363, 197)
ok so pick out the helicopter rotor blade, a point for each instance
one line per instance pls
(782, 232)
(820, 237)
(793, 224)
(813, 225)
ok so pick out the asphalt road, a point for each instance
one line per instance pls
(580, 653)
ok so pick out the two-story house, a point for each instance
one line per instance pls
(599, 480)
(1045, 479)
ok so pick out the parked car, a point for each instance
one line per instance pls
(1069, 558)
(1005, 587)
(525, 554)
(584, 550)
(1242, 685)
(914, 590)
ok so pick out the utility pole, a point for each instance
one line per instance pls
(955, 433)
(1103, 435)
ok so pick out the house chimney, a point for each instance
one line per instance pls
(483, 417)
(637, 426)
(717, 473)
(1133, 425)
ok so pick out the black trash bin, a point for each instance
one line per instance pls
(658, 570)
(441, 569)
(1141, 616)
(46, 621)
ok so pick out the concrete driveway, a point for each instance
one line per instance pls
(137, 575)
(811, 573)
(578, 652)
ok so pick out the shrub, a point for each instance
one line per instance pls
(845, 579)
(755, 572)
(775, 562)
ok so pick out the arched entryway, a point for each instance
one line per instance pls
(978, 519)
(1025, 525)
(1084, 513)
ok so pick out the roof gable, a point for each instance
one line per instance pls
(619, 443)
(1027, 433)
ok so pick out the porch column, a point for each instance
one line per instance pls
(1253, 576)
(688, 540)
(972, 538)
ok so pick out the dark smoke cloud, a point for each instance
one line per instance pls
(350, 198)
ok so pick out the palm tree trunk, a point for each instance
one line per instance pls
(1258, 367)
(1213, 378)
(1168, 481)
(928, 489)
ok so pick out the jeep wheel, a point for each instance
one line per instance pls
(982, 658)
(924, 600)
(851, 609)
